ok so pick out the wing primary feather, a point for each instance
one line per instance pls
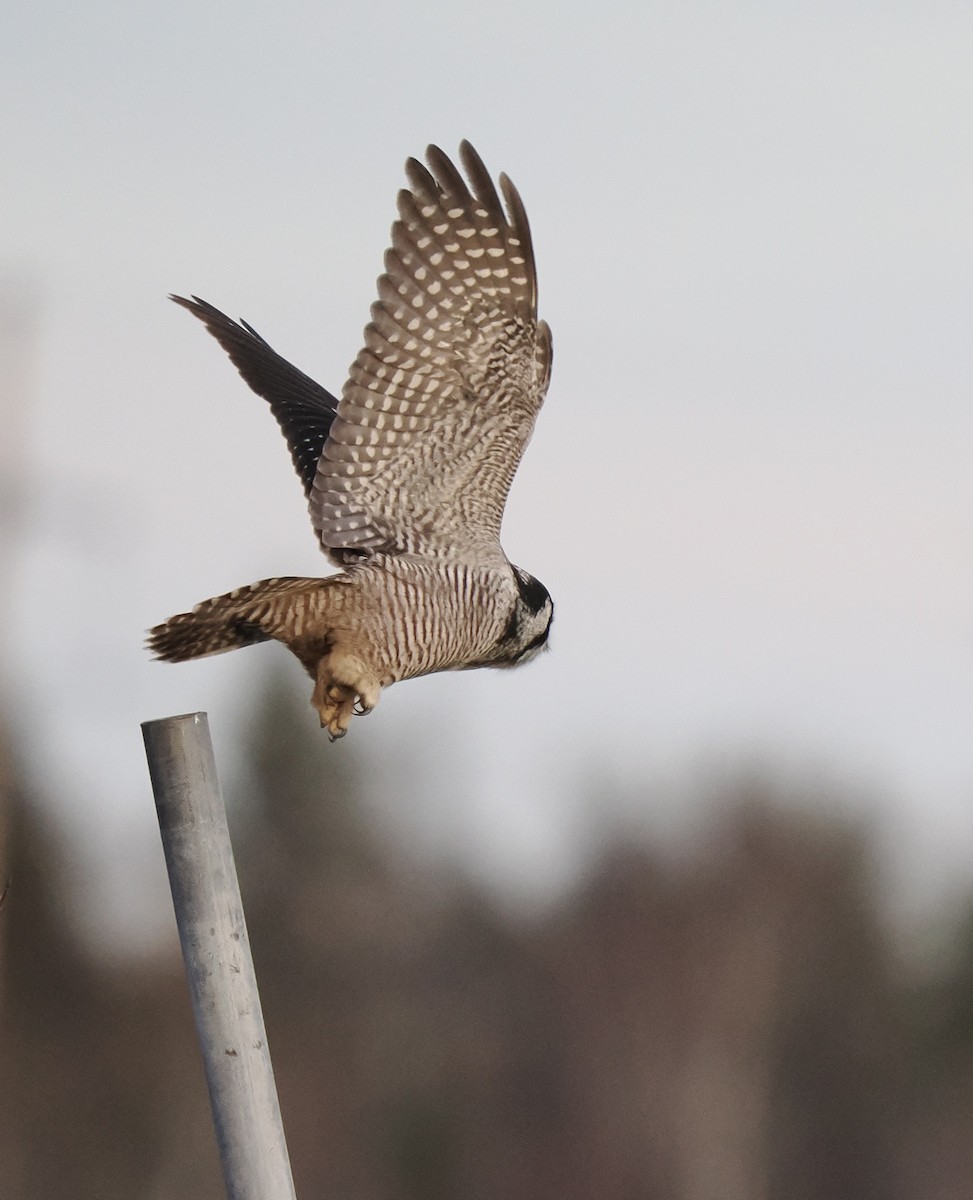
(483, 186)
(421, 181)
(518, 219)
(450, 181)
(304, 410)
(253, 333)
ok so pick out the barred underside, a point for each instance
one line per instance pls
(402, 615)
(413, 616)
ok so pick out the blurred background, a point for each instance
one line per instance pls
(685, 909)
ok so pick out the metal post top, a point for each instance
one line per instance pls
(196, 718)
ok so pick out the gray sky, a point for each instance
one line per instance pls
(749, 492)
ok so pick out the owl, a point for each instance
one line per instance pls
(407, 474)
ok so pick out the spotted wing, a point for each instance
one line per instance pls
(441, 401)
(304, 410)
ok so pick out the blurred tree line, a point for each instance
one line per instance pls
(734, 1025)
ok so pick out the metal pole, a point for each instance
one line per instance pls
(216, 951)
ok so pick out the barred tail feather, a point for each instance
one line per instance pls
(242, 617)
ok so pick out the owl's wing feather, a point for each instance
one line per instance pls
(441, 401)
(304, 410)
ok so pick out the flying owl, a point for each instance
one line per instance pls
(407, 474)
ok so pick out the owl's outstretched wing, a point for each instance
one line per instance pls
(441, 401)
(304, 410)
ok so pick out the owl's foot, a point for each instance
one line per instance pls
(345, 687)
(336, 706)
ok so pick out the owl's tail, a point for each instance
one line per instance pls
(240, 618)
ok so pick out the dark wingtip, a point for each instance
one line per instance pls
(193, 303)
(303, 409)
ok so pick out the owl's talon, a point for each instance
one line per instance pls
(344, 688)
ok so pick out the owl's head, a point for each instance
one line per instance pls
(527, 630)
